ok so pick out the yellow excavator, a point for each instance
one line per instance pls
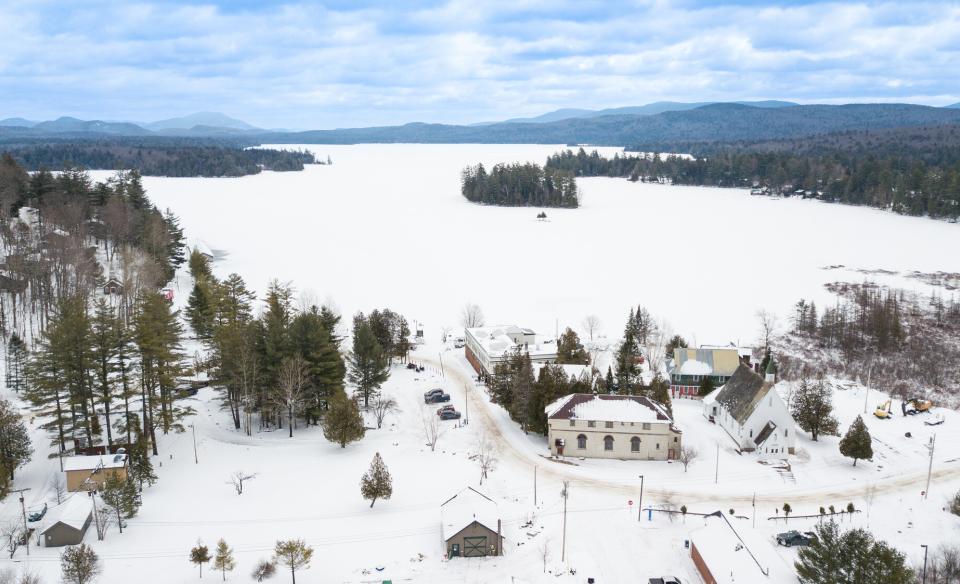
(883, 411)
(916, 405)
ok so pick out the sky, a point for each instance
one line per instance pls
(349, 63)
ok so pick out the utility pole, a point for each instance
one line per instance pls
(442, 374)
(640, 502)
(23, 509)
(931, 446)
(534, 485)
(866, 396)
(716, 474)
(754, 509)
(564, 493)
(466, 402)
(193, 429)
(924, 546)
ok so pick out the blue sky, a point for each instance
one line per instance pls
(365, 62)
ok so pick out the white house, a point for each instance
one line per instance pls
(611, 426)
(486, 346)
(751, 411)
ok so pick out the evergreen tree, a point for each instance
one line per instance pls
(295, 554)
(121, 495)
(676, 342)
(199, 266)
(104, 329)
(343, 423)
(522, 391)
(15, 448)
(625, 360)
(224, 560)
(569, 349)
(376, 482)
(140, 468)
(201, 307)
(852, 557)
(369, 366)
(812, 408)
(706, 386)
(200, 555)
(79, 564)
(610, 381)
(325, 367)
(17, 354)
(856, 443)
(659, 391)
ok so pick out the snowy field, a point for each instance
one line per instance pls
(386, 225)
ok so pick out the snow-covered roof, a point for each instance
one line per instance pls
(694, 367)
(73, 512)
(607, 408)
(464, 508)
(501, 340)
(93, 462)
(733, 557)
(571, 370)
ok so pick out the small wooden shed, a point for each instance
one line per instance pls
(113, 286)
(69, 522)
(471, 525)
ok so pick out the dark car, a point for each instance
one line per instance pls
(666, 580)
(448, 407)
(432, 392)
(411, 365)
(37, 513)
(792, 538)
(437, 398)
(450, 415)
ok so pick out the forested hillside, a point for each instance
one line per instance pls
(879, 170)
(158, 157)
(519, 185)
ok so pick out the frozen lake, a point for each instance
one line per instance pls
(386, 226)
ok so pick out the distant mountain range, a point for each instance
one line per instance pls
(662, 125)
(640, 110)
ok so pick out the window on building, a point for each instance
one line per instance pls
(785, 432)
(581, 441)
(591, 424)
(573, 422)
(658, 446)
(608, 424)
(634, 444)
(646, 426)
(608, 442)
(675, 439)
(751, 433)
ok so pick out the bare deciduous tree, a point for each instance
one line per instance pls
(687, 455)
(769, 323)
(10, 534)
(486, 456)
(431, 427)
(237, 479)
(382, 406)
(545, 553)
(290, 387)
(591, 324)
(471, 316)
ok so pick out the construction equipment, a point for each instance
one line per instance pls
(883, 411)
(916, 405)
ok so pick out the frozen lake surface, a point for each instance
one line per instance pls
(386, 225)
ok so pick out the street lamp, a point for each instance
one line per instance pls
(640, 502)
(924, 546)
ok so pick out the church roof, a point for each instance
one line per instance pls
(742, 392)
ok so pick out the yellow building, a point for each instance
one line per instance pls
(691, 366)
(85, 473)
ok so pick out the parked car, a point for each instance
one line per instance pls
(437, 398)
(36, 513)
(411, 365)
(432, 392)
(792, 538)
(666, 580)
(450, 415)
(448, 407)
(459, 343)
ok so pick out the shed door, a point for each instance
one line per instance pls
(474, 547)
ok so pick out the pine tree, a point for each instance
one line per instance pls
(522, 390)
(659, 391)
(201, 307)
(369, 366)
(852, 557)
(856, 443)
(104, 329)
(569, 349)
(79, 564)
(16, 363)
(15, 448)
(343, 423)
(706, 386)
(376, 482)
(812, 407)
(140, 468)
(625, 360)
(224, 560)
(295, 554)
(325, 367)
(121, 495)
(200, 555)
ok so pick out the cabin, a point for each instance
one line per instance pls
(487, 346)
(691, 366)
(626, 427)
(752, 412)
(68, 522)
(113, 287)
(470, 525)
(85, 473)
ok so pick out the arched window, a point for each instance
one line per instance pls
(608, 442)
(634, 444)
(581, 441)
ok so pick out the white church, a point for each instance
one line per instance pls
(751, 411)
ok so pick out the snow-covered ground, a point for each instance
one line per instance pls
(386, 225)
